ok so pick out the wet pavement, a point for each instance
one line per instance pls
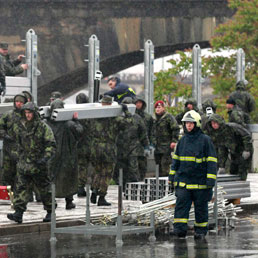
(241, 241)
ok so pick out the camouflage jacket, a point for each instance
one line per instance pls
(7, 133)
(11, 67)
(2, 73)
(148, 121)
(104, 132)
(35, 141)
(236, 115)
(165, 130)
(229, 138)
(84, 142)
(132, 140)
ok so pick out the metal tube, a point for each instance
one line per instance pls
(53, 213)
(197, 73)
(157, 181)
(87, 204)
(149, 75)
(93, 64)
(240, 75)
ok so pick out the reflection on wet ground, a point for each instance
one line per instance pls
(242, 241)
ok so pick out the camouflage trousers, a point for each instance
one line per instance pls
(101, 176)
(239, 166)
(130, 170)
(84, 171)
(142, 164)
(25, 182)
(8, 174)
(164, 161)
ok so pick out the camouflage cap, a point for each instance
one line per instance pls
(4, 45)
(56, 95)
(107, 99)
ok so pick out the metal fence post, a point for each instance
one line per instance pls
(149, 75)
(32, 60)
(197, 73)
(93, 65)
(240, 74)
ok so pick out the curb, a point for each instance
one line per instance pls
(36, 227)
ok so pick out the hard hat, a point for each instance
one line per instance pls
(192, 116)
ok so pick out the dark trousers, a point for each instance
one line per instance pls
(185, 197)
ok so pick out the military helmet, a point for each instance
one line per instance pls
(192, 116)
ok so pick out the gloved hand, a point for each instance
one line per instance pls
(221, 171)
(124, 107)
(246, 154)
(171, 183)
(42, 162)
(146, 151)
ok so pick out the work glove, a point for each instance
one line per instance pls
(124, 107)
(221, 171)
(171, 183)
(42, 162)
(246, 155)
(146, 152)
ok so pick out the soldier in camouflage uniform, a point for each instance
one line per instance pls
(11, 67)
(231, 141)
(235, 114)
(165, 137)
(244, 100)
(190, 104)
(104, 132)
(10, 153)
(36, 146)
(148, 121)
(83, 150)
(131, 143)
(65, 163)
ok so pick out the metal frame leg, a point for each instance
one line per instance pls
(53, 214)
(119, 240)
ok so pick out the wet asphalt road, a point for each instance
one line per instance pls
(242, 241)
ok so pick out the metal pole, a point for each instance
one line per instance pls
(31, 60)
(197, 73)
(157, 181)
(149, 75)
(93, 65)
(53, 214)
(87, 204)
(215, 208)
(240, 75)
(119, 241)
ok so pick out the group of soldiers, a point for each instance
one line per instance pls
(38, 151)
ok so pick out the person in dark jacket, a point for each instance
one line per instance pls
(64, 166)
(193, 174)
(119, 90)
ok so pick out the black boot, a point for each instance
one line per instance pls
(30, 197)
(81, 192)
(70, 205)
(102, 201)
(17, 216)
(199, 236)
(48, 217)
(93, 198)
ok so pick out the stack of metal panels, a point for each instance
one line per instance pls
(145, 191)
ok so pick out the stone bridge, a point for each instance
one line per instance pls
(64, 27)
